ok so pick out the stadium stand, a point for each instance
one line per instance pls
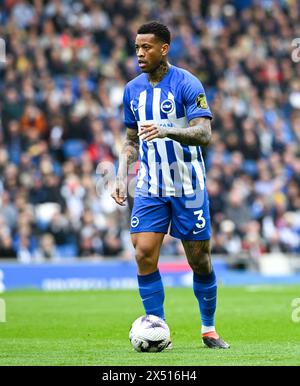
(61, 115)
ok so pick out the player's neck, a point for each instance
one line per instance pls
(156, 76)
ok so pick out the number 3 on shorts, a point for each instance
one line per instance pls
(201, 220)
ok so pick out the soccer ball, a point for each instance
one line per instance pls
(149, 333)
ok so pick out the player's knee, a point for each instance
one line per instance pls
(145, 257)
(201, 264)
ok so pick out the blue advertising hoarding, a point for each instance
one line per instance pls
(96, 275)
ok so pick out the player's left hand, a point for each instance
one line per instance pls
(152, 131)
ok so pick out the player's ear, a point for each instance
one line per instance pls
(164, 49)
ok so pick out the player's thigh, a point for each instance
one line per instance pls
(150, 221)
(191, 218)
(147, 244)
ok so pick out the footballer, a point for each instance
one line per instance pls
(168, 121)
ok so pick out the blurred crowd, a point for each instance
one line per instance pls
(61, 87)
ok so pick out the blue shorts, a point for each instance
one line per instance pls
(188, 216)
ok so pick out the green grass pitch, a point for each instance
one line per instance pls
(91, 328)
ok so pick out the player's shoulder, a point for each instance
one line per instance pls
(184, 76)
(137, 82)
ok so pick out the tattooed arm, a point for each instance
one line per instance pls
(128, 157)
(198, 133)
(129, 153)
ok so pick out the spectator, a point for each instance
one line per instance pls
(46, 249)
(237, 211)
(8, 212)
(6, 247)
(33, 124)
(232, 241)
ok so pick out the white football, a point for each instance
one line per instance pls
(149, 333)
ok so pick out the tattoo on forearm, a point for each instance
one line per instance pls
(130, 153)
(199, 133)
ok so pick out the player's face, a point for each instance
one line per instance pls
(150, 51)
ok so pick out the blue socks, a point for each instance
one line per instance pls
(152, 293)
(205, 290)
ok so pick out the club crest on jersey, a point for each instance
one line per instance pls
(167, 106)
(201, 102)
(135, 221)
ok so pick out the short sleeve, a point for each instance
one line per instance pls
(194, 99)
(129, 118)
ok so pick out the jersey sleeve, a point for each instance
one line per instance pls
(129, 118)
(194, 99)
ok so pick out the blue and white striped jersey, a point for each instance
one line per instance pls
(167, 168)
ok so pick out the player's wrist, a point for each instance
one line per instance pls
(170, 131)
(167, 131)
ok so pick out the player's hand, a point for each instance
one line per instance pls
(152, 131)
(119, 193)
